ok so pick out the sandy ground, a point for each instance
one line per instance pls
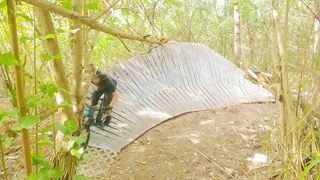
(215, 144)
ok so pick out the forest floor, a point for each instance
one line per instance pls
(226, 143)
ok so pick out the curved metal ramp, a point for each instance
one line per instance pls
(172, 79)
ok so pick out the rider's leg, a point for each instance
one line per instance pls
(110, 101)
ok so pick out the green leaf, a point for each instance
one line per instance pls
(47, 57)
(16, 127)
(44, 141)
(63, 104)
(48, 37)
(36, 101)
(77, 152)
(24, 38)
(306, 171)
(44, 173)
(67, 4)
(3, 4)
(7, 141)
(40, 161)
(48, 88)
(8, 114)
(7, 59)
(68, 127)
(55, 173)
(24, 16)
(80, 139)
(28, 122)
(71, 144)
(45, 129)
(92, 5)
(79, 177)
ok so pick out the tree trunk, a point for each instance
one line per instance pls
(289, 132)
(237, 34)
(56, 66)
(20, 86)
(77, 57)
(62, 158)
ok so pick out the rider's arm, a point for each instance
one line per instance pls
(96, 96)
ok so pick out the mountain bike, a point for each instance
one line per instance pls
(96, 119)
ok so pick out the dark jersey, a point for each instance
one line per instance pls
(108, 86)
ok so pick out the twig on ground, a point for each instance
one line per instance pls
(214, 163)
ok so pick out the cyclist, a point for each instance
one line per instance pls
(105, 85)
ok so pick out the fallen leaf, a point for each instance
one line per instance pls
(143, 162)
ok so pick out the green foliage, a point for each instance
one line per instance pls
(7, 59)
(44, 141)
(23, 16)
(37, 100)
(3, 4)
(79, 177)
(7, 141)
(24, 38)
(47, 37)
(77, 152)
(80, 139)
(46, 173)
(92, 5)
(312, 164)
(68, 127)
(48, 88)
(29, 121)
(26, 122)
(8, 114)
(67, 4)
(47, 57)
(37, 160)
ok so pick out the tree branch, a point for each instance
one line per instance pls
(91, 22)
(98, 16)
(314, 13)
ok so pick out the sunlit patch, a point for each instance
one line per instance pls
(258, 158)
(194, 140)
(122, 125)
(148, 112)
(206, 122)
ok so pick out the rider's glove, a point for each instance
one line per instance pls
(88, 112)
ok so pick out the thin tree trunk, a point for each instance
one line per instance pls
(77, 49)
(237, 35)
(62, 159)
(56, 66)
(289, 134)
(20, 86)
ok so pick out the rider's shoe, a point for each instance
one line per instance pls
(107, 120)
(99, 123)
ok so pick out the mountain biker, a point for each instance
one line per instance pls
(105, 85)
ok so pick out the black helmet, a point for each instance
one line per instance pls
(97, 73)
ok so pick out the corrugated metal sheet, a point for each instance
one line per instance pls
(170, 80)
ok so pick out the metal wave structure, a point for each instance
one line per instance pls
(170, 80)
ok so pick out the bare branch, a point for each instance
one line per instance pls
(89, 21)
(314, 13)
(106, 10)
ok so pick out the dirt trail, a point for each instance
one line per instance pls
(216, 144)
